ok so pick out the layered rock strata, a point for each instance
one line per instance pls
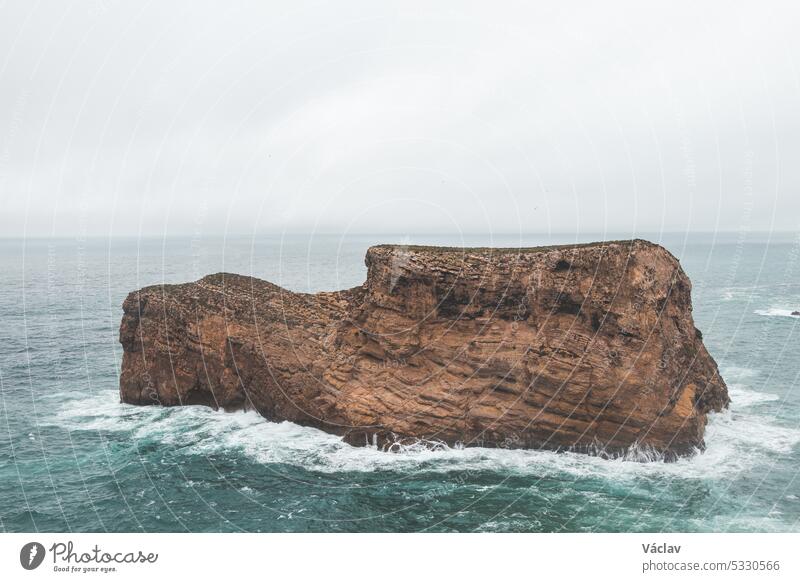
(584, 347)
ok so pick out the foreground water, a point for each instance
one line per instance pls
(73, 458)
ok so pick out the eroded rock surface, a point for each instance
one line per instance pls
(583, 347)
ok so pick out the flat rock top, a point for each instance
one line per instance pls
(504, 250)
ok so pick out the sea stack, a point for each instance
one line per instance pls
(588, 348)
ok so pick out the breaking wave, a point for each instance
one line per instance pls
(736, 440)
(738, 380)
(774, 312)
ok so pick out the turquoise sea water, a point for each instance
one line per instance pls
(73, 459)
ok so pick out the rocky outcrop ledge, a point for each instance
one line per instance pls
(583, 347)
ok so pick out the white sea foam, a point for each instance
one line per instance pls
(732, 373)
(738, 379)
(775, 312)
(750, 433)
(736, 440)
(731, 293)
(743, 397)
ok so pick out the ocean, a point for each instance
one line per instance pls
(72, 458)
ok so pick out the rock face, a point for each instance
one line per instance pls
(584, 347)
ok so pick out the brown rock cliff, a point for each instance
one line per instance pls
(584, 347)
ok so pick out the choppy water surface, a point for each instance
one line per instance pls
(73, 458)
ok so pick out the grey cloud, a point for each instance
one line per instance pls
(397, 117)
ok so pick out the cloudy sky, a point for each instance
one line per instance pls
(141, 118)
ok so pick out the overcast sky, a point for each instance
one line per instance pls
(200, 117)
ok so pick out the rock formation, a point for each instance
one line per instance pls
(582, 347)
